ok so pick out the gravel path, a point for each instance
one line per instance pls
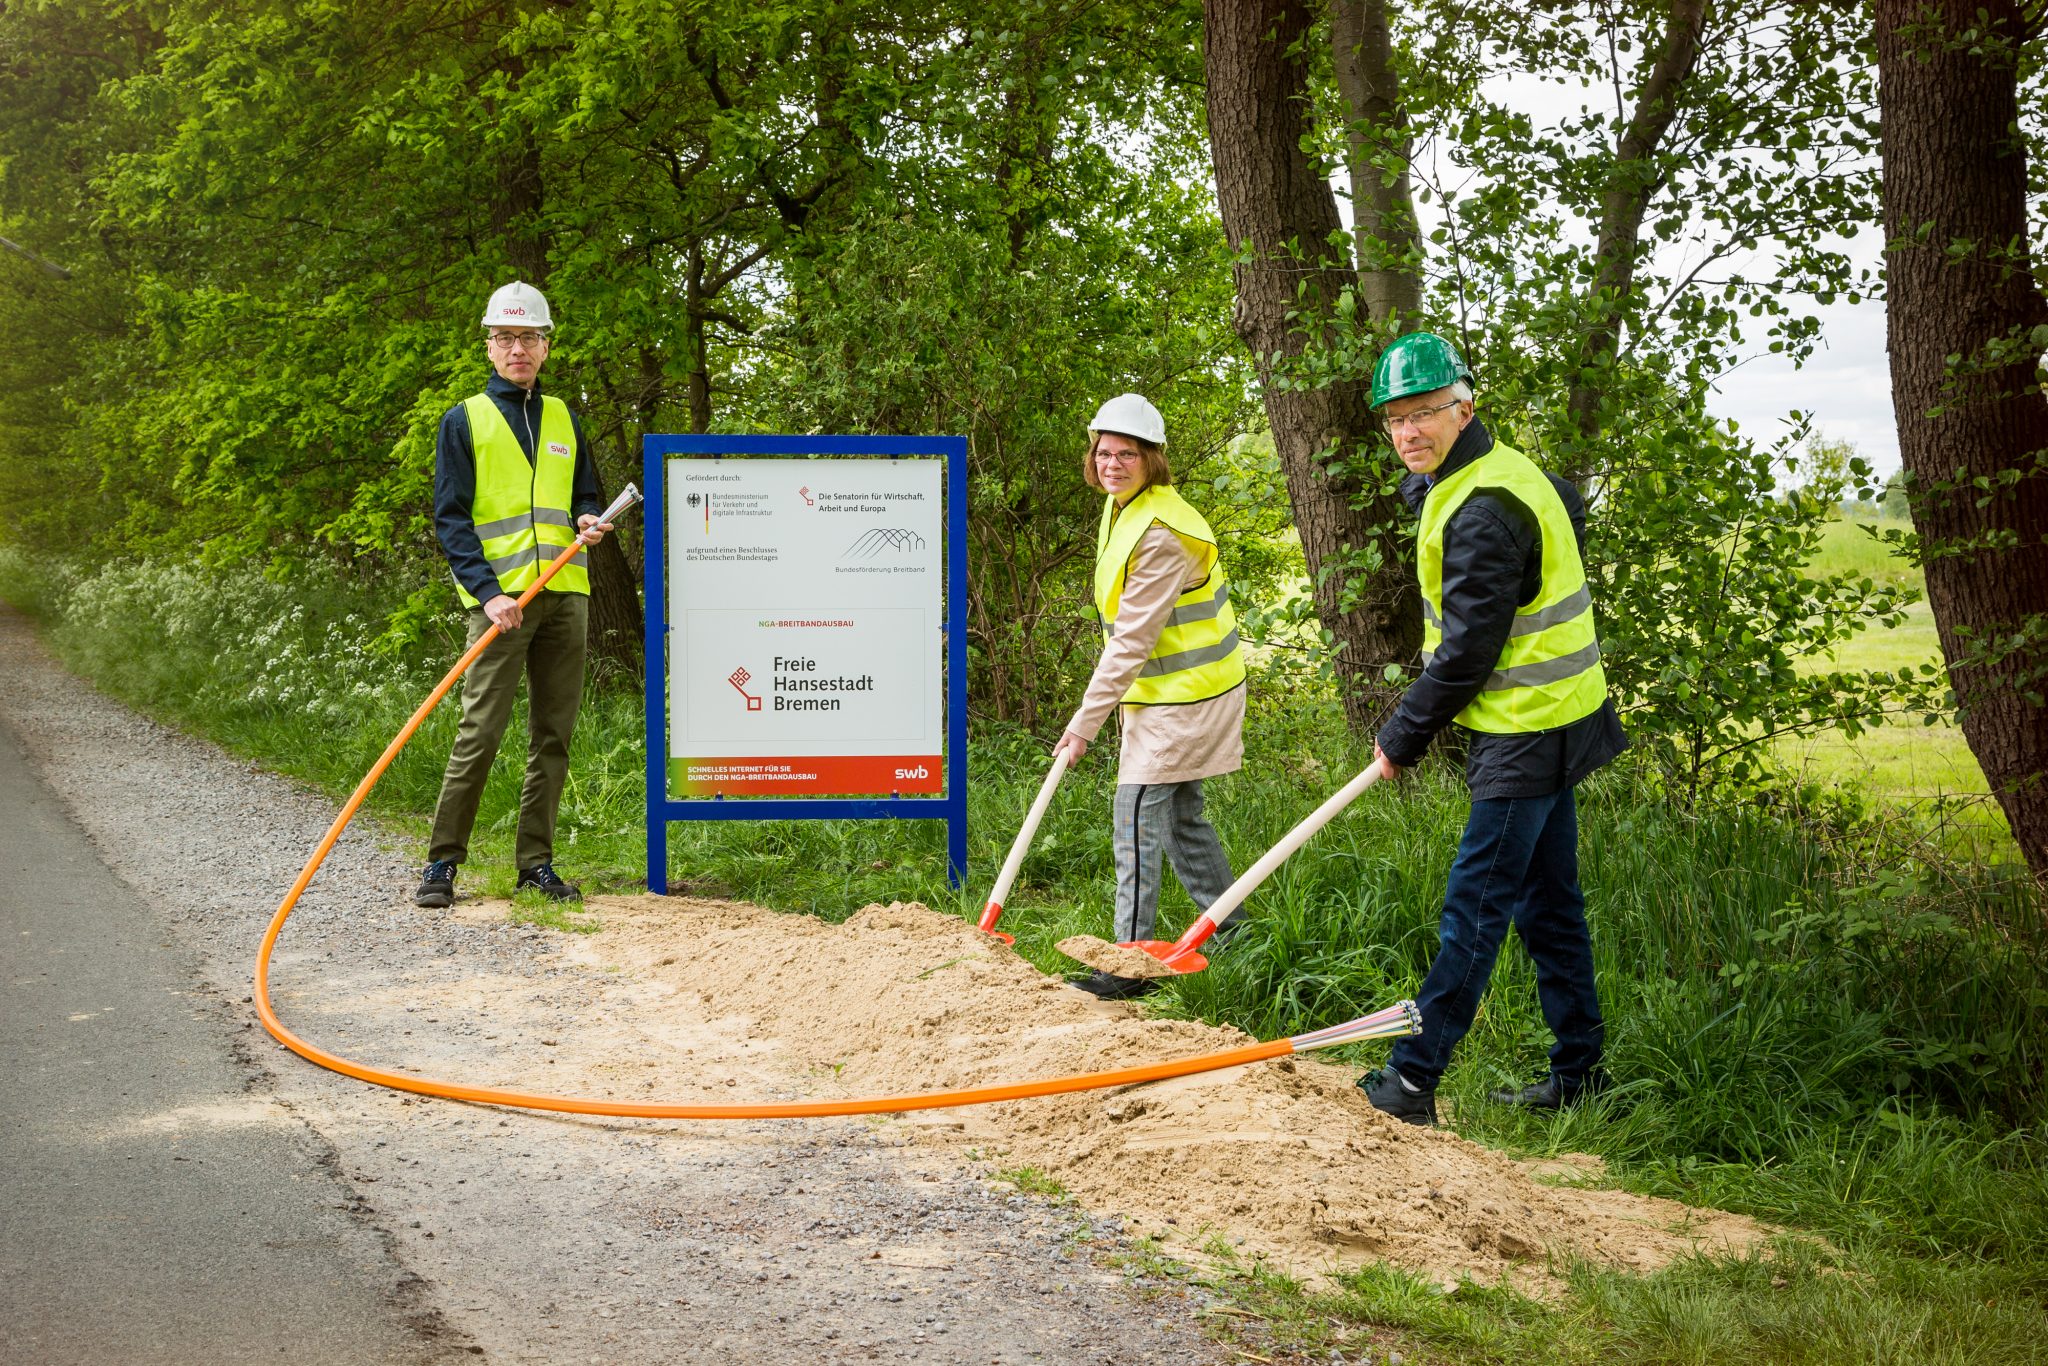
(545, 1238)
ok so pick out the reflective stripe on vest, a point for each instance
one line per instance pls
(521, 506)
(1197, 655)
(1549, 671)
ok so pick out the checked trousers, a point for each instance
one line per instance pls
(1164, 819)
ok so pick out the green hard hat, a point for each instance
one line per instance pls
(1416, 364)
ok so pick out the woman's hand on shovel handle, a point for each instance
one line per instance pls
(1071, 747)
(1388, 768)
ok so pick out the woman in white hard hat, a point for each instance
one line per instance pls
(1171, 666)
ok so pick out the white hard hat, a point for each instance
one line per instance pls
(517, 305)
(1132, 415)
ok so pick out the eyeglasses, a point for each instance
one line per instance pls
(1414, 419)
(508, 341)
(1119, 457)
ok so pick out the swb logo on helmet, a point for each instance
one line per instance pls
(515, 304)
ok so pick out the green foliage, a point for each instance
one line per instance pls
(804, 218)
(795, 217)
(68, 286)
(1014, 341)
(1715, 623)
(1597, 343)
(257, 662)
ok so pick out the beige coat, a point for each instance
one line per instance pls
(1168, 744)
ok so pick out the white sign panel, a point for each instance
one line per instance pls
(805, 610)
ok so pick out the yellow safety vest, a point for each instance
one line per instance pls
(1549, 673)
(521, 507)
(1197, 655)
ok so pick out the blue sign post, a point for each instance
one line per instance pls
(663, 771)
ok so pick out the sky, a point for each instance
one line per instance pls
(1845, 384)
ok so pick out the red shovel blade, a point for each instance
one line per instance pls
(1171, 954)
(988, 923)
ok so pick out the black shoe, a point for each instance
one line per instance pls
(1552, 1093)
(437, 885)
(543, 878)
(1384, 1088)
(1108, 986)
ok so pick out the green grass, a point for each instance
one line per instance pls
(1920, 778)
(1032, 1181)
(1799, 1305)
(1919, 775)
(531, 908)
(1841, 1036)
(1853, 545)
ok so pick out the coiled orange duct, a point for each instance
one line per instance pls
(1398, 1019)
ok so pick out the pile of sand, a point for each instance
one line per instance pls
(1284, 1159)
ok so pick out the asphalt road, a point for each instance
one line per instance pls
(154, 1206)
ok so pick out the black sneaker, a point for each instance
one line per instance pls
(1108, 986)
(1552, 1093)
(437, 885)
(543, 878)
(1390, 1096)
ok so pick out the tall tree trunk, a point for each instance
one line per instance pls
(1633, 179)
(615, 617)
(519, 217)
(1973, 433)
(698, 345)
(518, 212)
(1280, 216)
(1376, 139)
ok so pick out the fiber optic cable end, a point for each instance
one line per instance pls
(628, 496)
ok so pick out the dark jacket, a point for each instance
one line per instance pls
(1493, 564)
(455, 480)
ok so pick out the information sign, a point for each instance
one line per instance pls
(805, 598)
(805, 647)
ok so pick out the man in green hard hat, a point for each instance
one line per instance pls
(1509, 655)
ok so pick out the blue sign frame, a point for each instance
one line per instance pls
(661, 808)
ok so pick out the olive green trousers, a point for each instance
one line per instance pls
(548, 648)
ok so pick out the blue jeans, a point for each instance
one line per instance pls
(1518, 863)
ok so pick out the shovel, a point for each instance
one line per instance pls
(1019, 848)
(1180, 956)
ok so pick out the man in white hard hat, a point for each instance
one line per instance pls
(514, 485)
